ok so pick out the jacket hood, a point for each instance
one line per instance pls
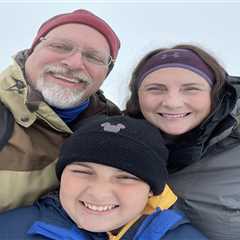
(21, 58)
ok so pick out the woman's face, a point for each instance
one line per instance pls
(175, 100)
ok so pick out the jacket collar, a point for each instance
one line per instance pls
(163, 201)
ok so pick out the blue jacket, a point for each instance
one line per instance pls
(46, 219)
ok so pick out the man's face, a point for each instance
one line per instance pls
(99, 198)
(64, 65)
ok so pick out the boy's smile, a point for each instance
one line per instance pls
(99, 208)
(100, 198)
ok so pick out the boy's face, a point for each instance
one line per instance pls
(99, 198)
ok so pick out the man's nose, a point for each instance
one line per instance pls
(74, 61)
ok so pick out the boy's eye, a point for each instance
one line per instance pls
(84, 172)
(127, 177)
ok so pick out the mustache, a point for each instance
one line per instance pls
(67, 72)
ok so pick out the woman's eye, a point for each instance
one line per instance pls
(155, 89)
(192, 89)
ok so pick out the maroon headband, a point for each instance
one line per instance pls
(182, 58)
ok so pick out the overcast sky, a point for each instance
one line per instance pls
(141, 26)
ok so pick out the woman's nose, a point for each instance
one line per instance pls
(173, 100)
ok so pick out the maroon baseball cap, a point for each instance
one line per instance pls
(83, 17)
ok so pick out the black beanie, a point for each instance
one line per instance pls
(132, 145)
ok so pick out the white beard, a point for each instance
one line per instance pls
(55, 94)
(58, 96)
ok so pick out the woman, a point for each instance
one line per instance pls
(188, 95)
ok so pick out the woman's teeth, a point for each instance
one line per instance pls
(173, 116)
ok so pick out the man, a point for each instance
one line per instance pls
(44, 96)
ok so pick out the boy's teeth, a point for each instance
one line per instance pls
(174, 115)
(99, 208)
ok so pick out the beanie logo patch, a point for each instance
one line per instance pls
(108, 127)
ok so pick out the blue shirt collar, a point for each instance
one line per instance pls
(70, 114)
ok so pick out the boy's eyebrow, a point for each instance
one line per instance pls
(82, 164)
(115, 169)
(120, 170)
(87, 166)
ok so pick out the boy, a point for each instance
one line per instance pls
(110, 171)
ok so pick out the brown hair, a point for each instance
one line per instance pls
(132, 106)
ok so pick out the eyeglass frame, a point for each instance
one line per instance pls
(75, 49)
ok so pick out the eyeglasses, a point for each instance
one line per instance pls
(68, 48)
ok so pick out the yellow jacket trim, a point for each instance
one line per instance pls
(163, 201)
